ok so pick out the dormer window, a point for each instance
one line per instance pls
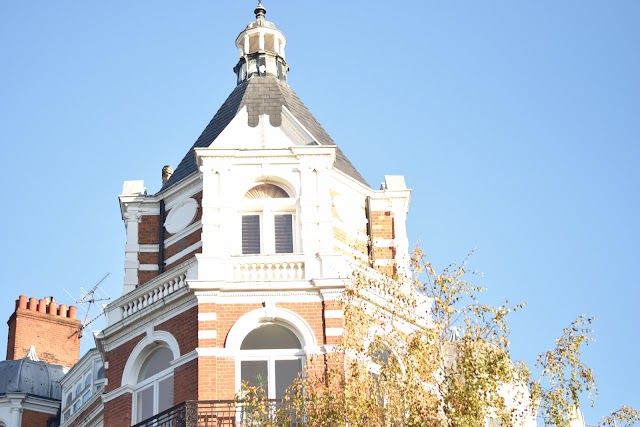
(267, 221)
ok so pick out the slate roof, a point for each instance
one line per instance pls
(261, 95)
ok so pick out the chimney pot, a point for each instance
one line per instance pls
(72, 312)
(42, 306)
(167, 171)
(53, 308)
(33, 304)
(22, 302)
(62, 310)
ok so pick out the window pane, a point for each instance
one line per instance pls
(251, 234)
(157, 362)
(283, 233)
(165, 394)
(270, 336)
(86, 397)
(145, 403)
(255, 372)
(286, 372)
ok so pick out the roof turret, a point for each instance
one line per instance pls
(31, 376)
(261, 49)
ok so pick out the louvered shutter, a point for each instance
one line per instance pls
(251, 234)
(283, 233)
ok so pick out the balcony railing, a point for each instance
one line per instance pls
(227, 413)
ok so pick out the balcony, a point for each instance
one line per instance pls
(227, 413)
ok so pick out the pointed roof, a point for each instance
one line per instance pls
(261, 95)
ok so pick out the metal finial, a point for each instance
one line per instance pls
(260, 11)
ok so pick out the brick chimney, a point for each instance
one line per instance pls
(51, 329)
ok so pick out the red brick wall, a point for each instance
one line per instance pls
(117, 359)
(382, 227)
(182, 244)
(184, 328)
(35, 419)
(148, 258)
(54, 336)
(117, 412)
(185, 382)
(184, 258)
(148, 229)
(145, 276)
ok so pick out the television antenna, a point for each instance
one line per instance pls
(88, 300)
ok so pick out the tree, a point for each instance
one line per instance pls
(426, 352)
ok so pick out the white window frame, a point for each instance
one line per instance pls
(153, 381)
(270, 356)
(267, 209)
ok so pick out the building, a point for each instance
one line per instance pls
(234, 269)
(43, 344)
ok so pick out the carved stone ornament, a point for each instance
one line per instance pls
(181, 216)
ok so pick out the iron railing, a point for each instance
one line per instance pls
(227, 413)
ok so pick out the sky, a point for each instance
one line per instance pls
(515, 124)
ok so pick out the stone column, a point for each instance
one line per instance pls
(131, 264)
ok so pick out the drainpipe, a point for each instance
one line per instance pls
(161, 239)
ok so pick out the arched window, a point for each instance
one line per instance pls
(154, 389)
(271, 356)
(100, 373)
(88, 382)
(267, 221)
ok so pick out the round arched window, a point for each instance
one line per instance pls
(267, 221)
(154, 390)
(271, 357)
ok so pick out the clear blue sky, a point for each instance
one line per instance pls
(516, 124)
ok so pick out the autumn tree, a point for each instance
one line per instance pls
(423, 350)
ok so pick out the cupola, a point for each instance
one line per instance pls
(261, 49)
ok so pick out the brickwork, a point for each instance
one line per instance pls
(145, 276)
(117, 359)
(185, 382)
(148, 230)
(184, 258)
(117, 412)
(182, 244)
(226, 379)
(382, 225)
(51, 330)
(35, 419)
(312, 314)
(207, 378)
(184, 328)
(227, 317)
(148, 258)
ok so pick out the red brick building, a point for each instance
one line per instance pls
(235, 268)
